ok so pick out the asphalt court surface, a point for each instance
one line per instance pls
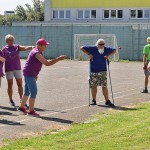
(63, 97)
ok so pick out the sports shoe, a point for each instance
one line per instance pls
(108, 103)
(22, 109)
(12, 103)
(33, 113)
(144, 91)
(93, 102)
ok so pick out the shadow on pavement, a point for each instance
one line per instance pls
(56, 119)
(8, 108)
(7, 113)
(11, 123)
(120, 108)
(39, 109)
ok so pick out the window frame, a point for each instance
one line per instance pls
(143, 14)
(58, 12)
(110, 14)
(84, 14)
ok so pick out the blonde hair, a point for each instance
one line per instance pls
(9, 36)
(148, 40)
(100, 41)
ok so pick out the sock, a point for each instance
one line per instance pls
(145, 88)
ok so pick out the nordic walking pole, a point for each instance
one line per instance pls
(107, 62)
(89, 82)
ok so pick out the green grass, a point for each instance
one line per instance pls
(123, 129)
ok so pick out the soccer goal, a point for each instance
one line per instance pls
(90, 39)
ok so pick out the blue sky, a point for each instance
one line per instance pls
(11, 4)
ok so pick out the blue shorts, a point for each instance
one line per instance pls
(30, 87)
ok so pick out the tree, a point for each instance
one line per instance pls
(8, 19)
(21, 13)
(39, 10)
(29, 13)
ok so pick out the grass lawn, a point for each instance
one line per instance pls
(113, 130)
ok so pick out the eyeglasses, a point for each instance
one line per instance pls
(101, 44)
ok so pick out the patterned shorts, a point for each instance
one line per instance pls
(146, 72)
(98, 79)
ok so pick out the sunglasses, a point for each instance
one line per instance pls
(101, 44)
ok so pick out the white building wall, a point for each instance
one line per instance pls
(47, 10)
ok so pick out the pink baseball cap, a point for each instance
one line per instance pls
(42, 42)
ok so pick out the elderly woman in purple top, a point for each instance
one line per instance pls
(31, 70)
(13, 65)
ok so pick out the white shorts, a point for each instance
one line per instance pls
(16, 73)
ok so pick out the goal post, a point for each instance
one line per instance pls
(91, 39)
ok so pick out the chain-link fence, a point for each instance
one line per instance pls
(131, 37)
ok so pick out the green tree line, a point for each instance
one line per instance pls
(28, 14)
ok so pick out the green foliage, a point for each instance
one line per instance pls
(29, 13)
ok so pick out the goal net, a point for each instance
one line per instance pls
(90, 39)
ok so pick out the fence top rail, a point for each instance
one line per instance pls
(76, 24)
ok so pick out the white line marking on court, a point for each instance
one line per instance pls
(63, 111)
(126, 91)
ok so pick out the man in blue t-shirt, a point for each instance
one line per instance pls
(98, 77)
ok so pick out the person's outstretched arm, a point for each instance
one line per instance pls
(49, 62)
(25, 48)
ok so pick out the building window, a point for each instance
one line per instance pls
(80, 14)
(146, 13)
(93, 13)
(133, 13)
(138, 14)
(61, 14)
(106, 13)
(120, 14)
(68, 14)
(113, 14)
(55, 14)
(86, 14)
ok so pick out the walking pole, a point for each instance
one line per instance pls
(89, 82)
(107, 62)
